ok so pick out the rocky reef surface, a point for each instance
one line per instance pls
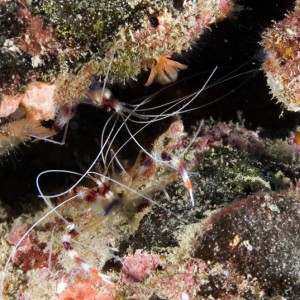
(240, 240)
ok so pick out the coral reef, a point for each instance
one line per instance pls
(187, 255)
(62, 47)
(281, 45)
(191, 193)
(131, 34)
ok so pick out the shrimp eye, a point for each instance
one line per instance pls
(154, 22)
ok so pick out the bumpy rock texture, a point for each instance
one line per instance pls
(239, 241)
(47, 38)
(259, 236)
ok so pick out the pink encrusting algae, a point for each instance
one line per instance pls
(31, 253)
(139, 266)
(36, 102)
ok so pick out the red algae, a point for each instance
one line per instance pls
(139, 266)
(31, 252)
(83, 290)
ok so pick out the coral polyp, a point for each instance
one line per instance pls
(164, 71)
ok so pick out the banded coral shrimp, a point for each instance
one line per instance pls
(79, 213)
